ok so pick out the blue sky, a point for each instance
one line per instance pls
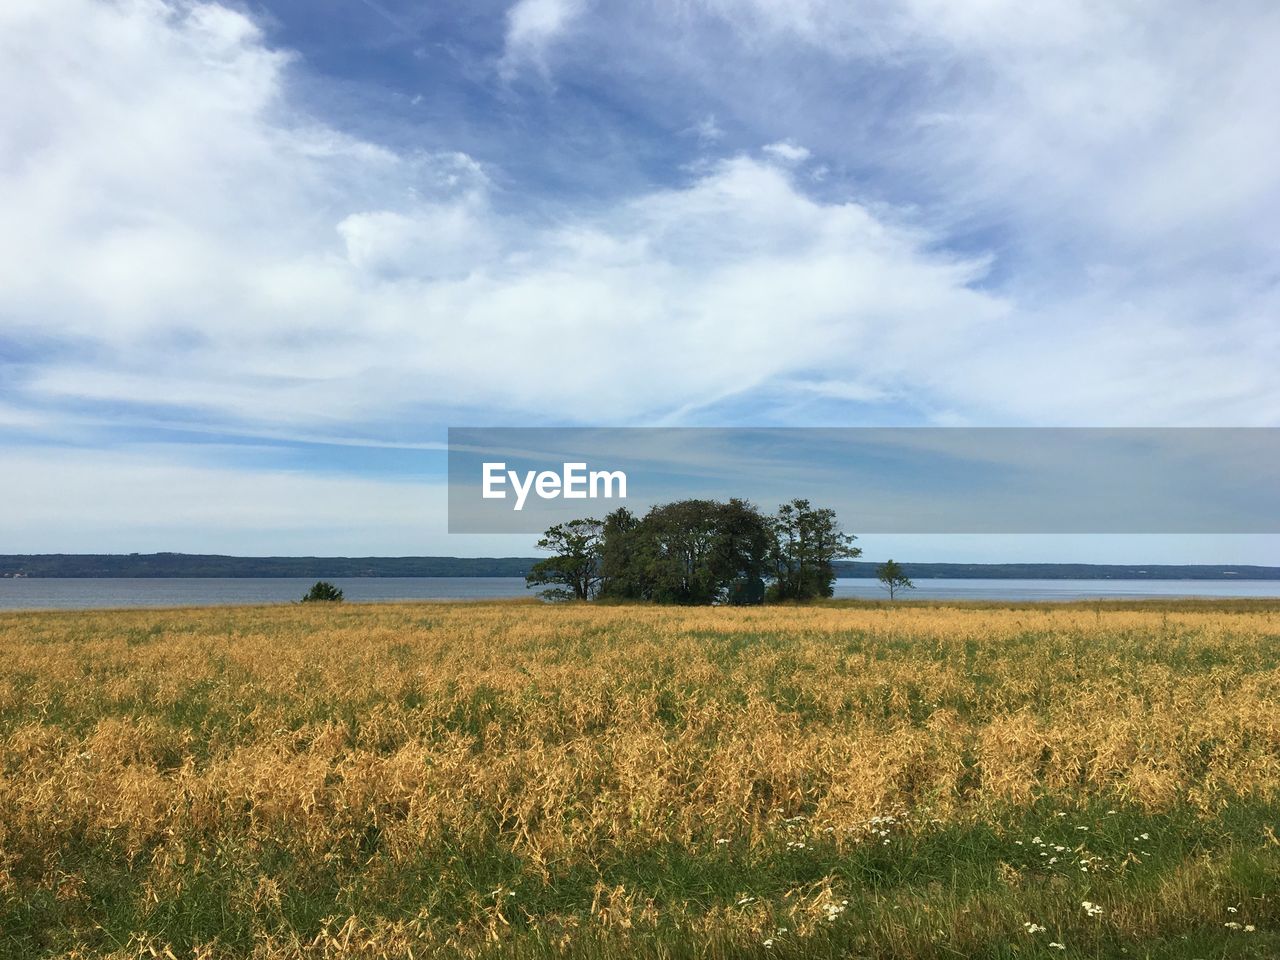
(256, 258)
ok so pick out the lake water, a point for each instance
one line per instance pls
(80, 593)
(73, 593)
(1063, 589)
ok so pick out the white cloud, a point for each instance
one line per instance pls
(1114, 158)
(199, 244)
(532, 27)
(787, 152)
(425, 240)
(707, 130)
(1125, 122)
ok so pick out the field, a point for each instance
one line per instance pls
(515, 780)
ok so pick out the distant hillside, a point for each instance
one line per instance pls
(211, 565)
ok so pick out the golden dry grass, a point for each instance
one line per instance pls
(467, 778)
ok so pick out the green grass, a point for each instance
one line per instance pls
(977, 883)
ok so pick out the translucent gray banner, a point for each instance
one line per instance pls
(879, 480)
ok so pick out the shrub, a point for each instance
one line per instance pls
(323, 590)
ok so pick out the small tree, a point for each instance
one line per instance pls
(892, 578)
(323, 590)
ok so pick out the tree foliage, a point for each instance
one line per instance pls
(322, 591)
(807, 542)
(892, 578)
(622, 574)
(576, 565)
(690, 552)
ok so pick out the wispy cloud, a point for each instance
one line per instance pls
(787, 152)
(532, 27)
(707, 130)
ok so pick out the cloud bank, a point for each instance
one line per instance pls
(188, 239)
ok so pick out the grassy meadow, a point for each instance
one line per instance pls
(516, 780)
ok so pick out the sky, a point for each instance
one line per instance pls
(256, 258)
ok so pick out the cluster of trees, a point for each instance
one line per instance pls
(696, 552)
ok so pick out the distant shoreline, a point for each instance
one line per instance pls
(187, 565)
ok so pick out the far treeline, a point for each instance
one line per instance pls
(696, 552)
(202, 565)
(160, 565)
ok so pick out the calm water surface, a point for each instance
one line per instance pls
(1063, 589)
(41, 593)
(73, 593)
